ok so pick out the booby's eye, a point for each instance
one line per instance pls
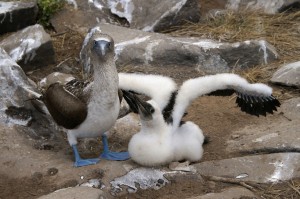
(95, 42)
(152, 110)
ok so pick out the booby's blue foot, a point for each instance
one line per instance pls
(109, 155)
(85, 162)
(79, 162)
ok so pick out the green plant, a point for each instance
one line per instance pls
(47, 8)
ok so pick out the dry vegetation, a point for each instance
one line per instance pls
(281, 30)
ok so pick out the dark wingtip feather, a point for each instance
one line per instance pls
(129, 98)
(257, 105)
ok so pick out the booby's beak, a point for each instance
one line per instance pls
(144, 109)
(101, 47)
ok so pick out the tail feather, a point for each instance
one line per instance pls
(159, 88)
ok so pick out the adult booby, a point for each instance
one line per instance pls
(89, 109)
(162, 140)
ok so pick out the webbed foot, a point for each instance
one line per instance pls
(79, 162)
(85, 162)
(109, 155)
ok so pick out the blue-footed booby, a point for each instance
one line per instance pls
(89, 109)
(162, 140)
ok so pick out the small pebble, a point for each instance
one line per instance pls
(52, 171)
(160, 181)
(235, 136)
(211, 184)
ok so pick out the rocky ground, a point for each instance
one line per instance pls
(246, 157)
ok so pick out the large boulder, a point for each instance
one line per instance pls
(14, 87)
(75, 193)
(153, 15)
(138, 48)
(270, 136)
(259, 168)
(30, 48)
(16, 102)
(156, 15)
(16, 15)
(288, 75)
(267, 6)
(82, 15)
(229, 193)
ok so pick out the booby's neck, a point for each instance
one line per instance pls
(106, 81)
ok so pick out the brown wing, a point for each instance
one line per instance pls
(65, 108)
(120, 94)
(77, 88)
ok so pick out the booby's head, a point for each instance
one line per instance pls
(102, 45)
(96, 48)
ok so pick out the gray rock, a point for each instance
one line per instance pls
(291, 109)
(54, 77)
(155, 15)
(184, 166)
(138, 48)
(31, 47)
(82, 15)
(76, 193)
(288, 75)
(268, 6)
(260, 168)
(279, 135)
(16, 108)
(229, 193)
(14, 86)
(126, 126)
(142, 178)
(17, 15)
(146, 178)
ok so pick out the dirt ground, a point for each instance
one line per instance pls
(218, 117)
